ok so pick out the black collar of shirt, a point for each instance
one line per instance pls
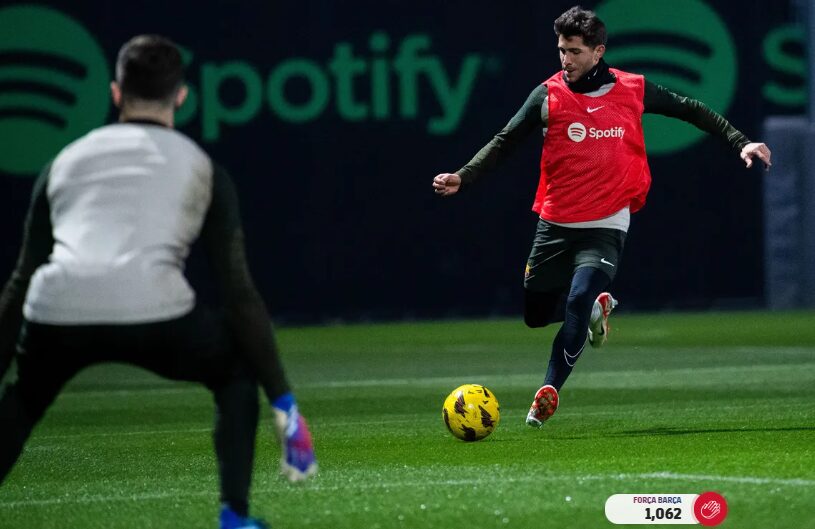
(145, 121)
(593, 80)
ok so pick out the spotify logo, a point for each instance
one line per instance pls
(53, 85)
(577, 132)
(683, 46)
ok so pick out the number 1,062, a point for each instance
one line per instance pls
(663, 514)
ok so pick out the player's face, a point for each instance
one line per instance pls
(576, 58)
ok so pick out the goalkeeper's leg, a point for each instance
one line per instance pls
(41, 372)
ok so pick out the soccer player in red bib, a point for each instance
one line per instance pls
(593, 174)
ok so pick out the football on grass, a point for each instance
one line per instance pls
(471, 412)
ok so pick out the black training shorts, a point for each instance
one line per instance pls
(558, 251)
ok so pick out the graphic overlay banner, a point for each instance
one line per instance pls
(708, 509)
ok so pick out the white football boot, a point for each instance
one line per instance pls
(598, 324)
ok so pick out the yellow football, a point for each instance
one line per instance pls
(471, 412)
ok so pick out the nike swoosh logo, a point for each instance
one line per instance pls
(603, 261)
(573, 357)
(595, 109)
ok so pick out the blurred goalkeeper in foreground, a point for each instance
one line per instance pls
(100, 279)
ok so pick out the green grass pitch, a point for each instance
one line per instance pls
(677, 404)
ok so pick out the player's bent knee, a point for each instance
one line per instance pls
(581, 295)
(540, 308)
(534, 321)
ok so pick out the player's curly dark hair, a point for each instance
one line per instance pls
(581, 22)
(149, 68)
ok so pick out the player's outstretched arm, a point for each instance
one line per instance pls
(528, 119)
(38, 241)
(244, 308)
(756, 150)
(660, 100)
(446, 184)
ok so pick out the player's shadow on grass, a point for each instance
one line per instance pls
(667, 430)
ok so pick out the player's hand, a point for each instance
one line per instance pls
(446, 184)
(759, 150)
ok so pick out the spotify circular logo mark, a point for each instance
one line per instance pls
(577, 132)
(685, 47)
(53, 85)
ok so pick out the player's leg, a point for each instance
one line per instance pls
(236, 419)
(197, 347)
(547, 275)
(569, 341)
(547, 278)
(596, 253)
(42, 366)
(601, 248)
(543, 308)
(587, 284)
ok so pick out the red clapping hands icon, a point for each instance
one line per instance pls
(710, 509)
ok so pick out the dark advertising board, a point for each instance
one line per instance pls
(333, 118)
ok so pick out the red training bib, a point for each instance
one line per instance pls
(593, 162)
